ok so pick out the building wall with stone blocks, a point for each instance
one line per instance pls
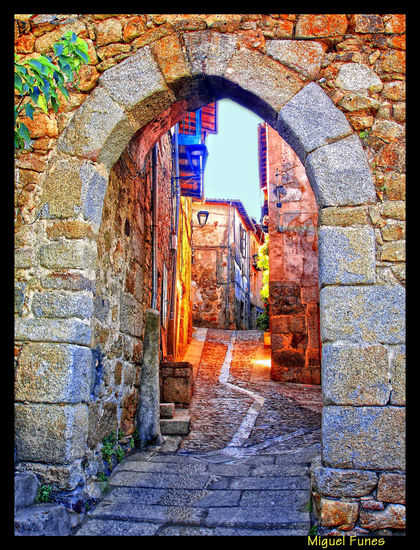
(293, 262)
(209, 273)
(217, 249)
(333, 86)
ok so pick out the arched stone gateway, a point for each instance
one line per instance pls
(362, 320)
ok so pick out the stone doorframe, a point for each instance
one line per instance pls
(358, 317)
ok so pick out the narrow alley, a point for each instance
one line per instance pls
(243, 469)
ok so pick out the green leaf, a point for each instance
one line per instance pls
(18, 84)
(42, 103)
(82, 45)
(47, 64)
(68, 72)
(24, 132)
(29, 111)
(58, 48)
(45, 88)
(55, 103)
(82, 55)
(34, 94)
(63, 91)
(36, 65)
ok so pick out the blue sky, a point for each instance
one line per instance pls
(232, 165)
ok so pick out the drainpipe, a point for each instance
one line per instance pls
(175, 238)
(228, 272)
(154, 226)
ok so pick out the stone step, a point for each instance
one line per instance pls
(26, 487)
(167, 410)
(178, 425)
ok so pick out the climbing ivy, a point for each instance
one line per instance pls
(38, 81)
(263, 264)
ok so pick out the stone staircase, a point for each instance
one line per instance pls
(174, 420)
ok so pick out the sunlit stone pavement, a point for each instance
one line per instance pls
(242, 470)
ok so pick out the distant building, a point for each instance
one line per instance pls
(225, 280)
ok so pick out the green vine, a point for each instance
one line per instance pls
(44, 494)
(263, 320)
(37, 81)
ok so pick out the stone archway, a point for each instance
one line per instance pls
(360, 319)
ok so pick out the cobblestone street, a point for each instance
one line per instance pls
(244, 467)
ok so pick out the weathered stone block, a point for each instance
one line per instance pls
(393, 517)
(311, 25)
(398, 376)
(26, 486)
(302, 56)
(355, 374)
(67, 281)
(46, 520)
(209, 52)
(358, 78)
(94, 180)
(53, 373)
(393, 251)
(134, 80)
(99, 131)
(285, 298)
(310, 119)
(102, 421)
(50, 433)
(62, 187)
(346, 255)
(62, 304)
(336, 513)
(391, 488)
(169, 54)
(272, 83)
(366, 438)
(80, 254)
(24, 258)
(176, 390)
(176, 381)
(61, 477)
(131, 315)
(343, 216)
(363, 314)
(72, 331)
(334, 482)
(339, 173)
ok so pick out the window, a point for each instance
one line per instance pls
(242, 241)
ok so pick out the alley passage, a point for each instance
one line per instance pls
(244, 467)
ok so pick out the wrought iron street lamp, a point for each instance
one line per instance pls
(197, 156)
(202, 217)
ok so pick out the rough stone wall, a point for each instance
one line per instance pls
(121, 293)
(209, 267)
(334, 87)
(123, 286)
(293, 261)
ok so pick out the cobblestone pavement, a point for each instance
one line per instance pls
(242, 470)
